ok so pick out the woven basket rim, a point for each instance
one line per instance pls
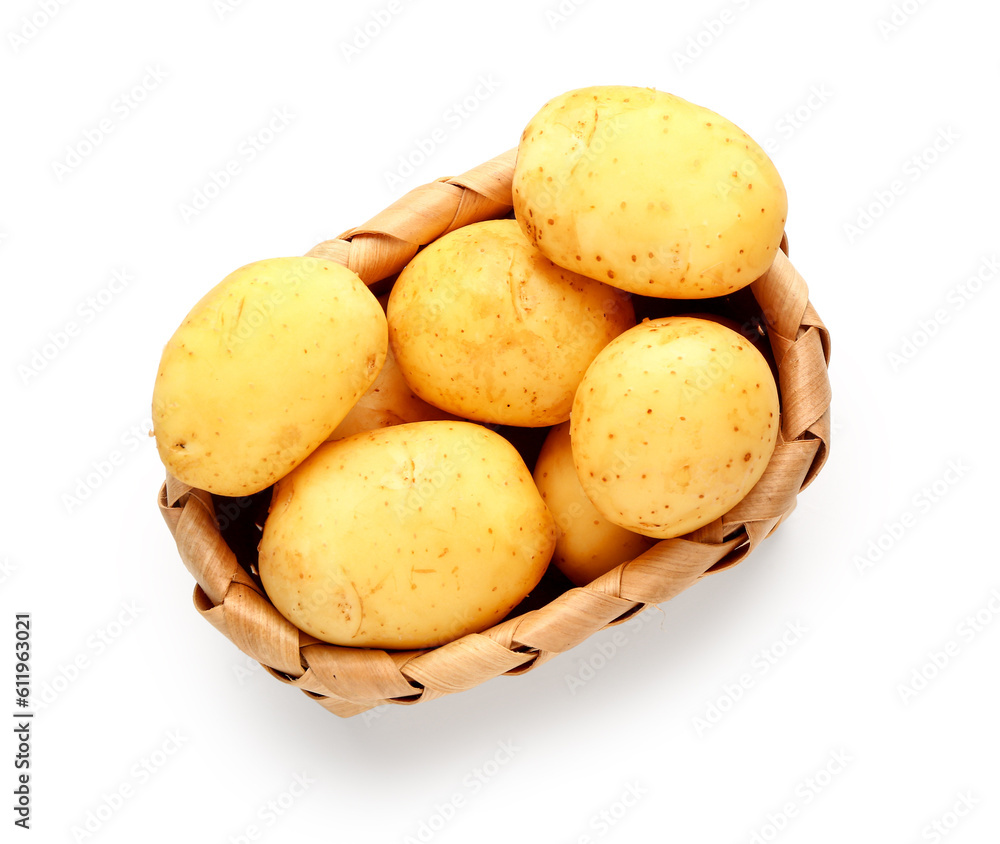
(347, 681)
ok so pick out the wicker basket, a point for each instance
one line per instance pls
(217, 537)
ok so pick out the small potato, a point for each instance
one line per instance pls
(673, 424)
(486, 327)
(648, 192)
(405, 537)
(389, 401)
(587, 544)
(748, 330)
(262, 370)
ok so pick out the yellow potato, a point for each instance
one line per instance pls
(389, 401)
(648, 192)
(673, 424)
(486, 327)
(587, 544)
(262, 369)
(405, 537)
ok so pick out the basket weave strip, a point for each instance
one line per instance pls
(214, 614)
(573, 616)
(342, 708)
(534, 660)
(800, 343)
(348, 681)
(201, 547)
(309, 682)
(259, 630)
(462, 664)
(386, 243)
(358, 675)
(777, 489)
(670, 567)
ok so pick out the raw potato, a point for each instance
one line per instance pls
(262, 369)
(389, 401)
(648, 192)
(587, 544)
(673, 424)
(486, 327)
(749, 330)
(405, 537)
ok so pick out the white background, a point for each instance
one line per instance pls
(137, 695)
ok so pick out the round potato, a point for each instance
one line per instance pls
(262, 369)
(749, 330)
(587, 544)
(673, 424)
(486, 327)
(405, 537)
(389, 401)
(648, 192)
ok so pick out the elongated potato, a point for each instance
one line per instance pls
(587, 544)
(405, 537)
(486, 327)
(673, 424)
(262, 369)
(648, 192)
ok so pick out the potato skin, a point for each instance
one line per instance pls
(389, 401)
(648, 192)
(673, 424)
(587, 544)
(486, 327)
(262, 369)
(405, 537)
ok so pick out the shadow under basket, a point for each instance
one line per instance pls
(217, 537)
